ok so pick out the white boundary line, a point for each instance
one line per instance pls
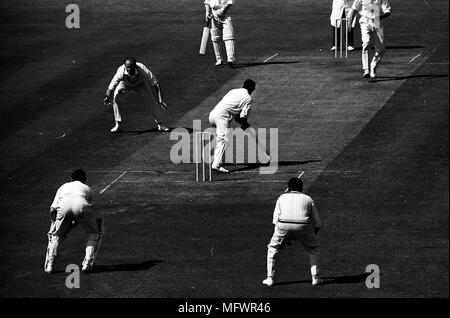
(269, 58)
(115, 180)
(414, 58)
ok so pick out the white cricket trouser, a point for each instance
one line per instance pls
(145, 92)
(72, 208)
(221, 121)
(371, 35)
(223, 30)
(304, 233)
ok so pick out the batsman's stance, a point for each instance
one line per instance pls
(73, 205)
(221, 26)
(295, 218)
(134, 76)
(371, 11)
(236, 104)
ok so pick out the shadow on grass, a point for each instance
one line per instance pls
(253, 64)
(352, 279)
(251, 166)
(125, 267)
(153, 130)
(398, 78)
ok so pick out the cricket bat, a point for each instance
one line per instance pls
(205, 37)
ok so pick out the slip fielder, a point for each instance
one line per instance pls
(71, 206)
(221, 28)
(372, 12)
(134, 76)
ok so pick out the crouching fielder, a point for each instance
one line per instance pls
(295, 218)
(73, 205)
(221, 28)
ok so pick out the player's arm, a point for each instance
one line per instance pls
(385, 8)
(112, 86)
(223, 11)
(156, 88)
(158, 93)
(208, 11)
(54, 205)
(242, 117)
(276, 213)
(316, 222)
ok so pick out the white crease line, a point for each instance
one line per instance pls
(269, 58)
(115, 180)
(414, 58)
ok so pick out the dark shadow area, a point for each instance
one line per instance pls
(252, 64)
(125, 267)
(251, 166)
(398, 78)
(153, 130)
(404, 47)
(351, 279)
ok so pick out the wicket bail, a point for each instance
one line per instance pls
(341, 23)
(202, 142)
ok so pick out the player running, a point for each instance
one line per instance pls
(371, 11)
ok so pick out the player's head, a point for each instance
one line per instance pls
(249, 85)
(130, 65)
(79, 175)
(295, 184)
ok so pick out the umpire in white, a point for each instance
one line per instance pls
(295, 218)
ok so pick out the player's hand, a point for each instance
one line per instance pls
(245, 125)
(107, 101)
(163, 105)
(208, 16)
(221, 14)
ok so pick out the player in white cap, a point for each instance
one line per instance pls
(221, 28)
(134, 76)
(372, 12)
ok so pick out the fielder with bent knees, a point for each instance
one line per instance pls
(135, 76)
(295, 218)
(236, 104)
(73, 205)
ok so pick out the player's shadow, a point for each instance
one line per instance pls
(252, 166)
(350, 279)
(398, 78)
(126, 267)
(253, 64)
(404, 47)
(153, 130)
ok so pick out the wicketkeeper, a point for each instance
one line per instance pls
(72, 206)
(295, 218)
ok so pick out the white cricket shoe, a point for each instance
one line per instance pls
(116, 128)
(316, 280)
(350, 48)
(49, 266)
(220, 169)
(161, 127)
(218, 63)
(373, 74)
(366, 74)
(333, 48)
(86, 266)
(268, 281)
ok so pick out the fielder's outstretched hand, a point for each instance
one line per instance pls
(163, 105)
